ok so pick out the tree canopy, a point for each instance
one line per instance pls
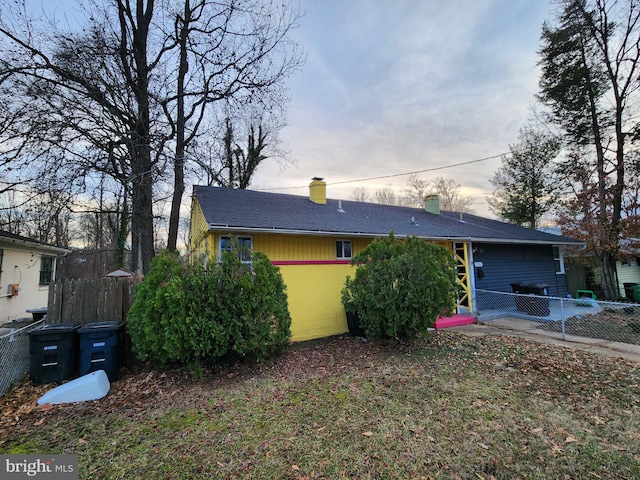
(134, 92)
(590, 83)
(526, 185)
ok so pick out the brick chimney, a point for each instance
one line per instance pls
(432, 204)
(318, 190)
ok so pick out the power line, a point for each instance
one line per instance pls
(381, 177)
(418, 171)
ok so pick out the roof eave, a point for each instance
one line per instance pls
(283, 231)
(29, 245)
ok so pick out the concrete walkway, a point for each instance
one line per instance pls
(527, 330)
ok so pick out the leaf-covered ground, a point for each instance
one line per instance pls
(449, 407)
(616, 325)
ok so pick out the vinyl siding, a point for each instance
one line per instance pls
(628, 273)
(506, 264)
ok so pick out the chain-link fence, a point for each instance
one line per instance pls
(14, 355)
(564, 317)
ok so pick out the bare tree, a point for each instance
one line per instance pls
(86, 95)
(387, 196)
(228, 51)
(415, 190)
(138, 76)
(446, 189)
(360, 194)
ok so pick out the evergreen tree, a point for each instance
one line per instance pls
(590, 81)
(526, 184)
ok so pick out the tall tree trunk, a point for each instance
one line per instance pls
(608, 279)
(142, 244)
(178, 163)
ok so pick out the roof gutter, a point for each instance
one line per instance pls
(29, 245)
(281, 231)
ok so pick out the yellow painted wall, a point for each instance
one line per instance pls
(198, 230)
(313, 290)
(314, 299)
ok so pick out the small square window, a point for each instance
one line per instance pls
(343, 248)
(243, 245)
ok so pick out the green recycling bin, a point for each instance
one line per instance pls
(100, 348)
(53, 351)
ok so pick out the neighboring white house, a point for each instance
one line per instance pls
(26, 269)
(628, 272)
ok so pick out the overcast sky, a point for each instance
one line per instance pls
(396, 86)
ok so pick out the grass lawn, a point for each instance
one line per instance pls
(449, 407)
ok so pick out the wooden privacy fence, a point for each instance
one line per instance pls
(90, 300)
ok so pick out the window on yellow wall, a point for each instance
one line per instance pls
(343, 248)
(243, 245)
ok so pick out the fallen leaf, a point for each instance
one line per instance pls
(484, 445)
(82, 441)
(295, 467)
(367, 434)
(320, 429)
(536, 430)
(39, 422)
(570, 439)
(46, 407)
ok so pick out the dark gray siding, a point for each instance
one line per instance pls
(506, 264)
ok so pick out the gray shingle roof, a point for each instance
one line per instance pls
(249, 210)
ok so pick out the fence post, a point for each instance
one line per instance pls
(562, 317)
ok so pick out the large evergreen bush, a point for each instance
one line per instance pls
(190, 313)
(400, 287)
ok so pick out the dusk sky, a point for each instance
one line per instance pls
(399, 86)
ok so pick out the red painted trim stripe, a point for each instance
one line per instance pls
(310, 262)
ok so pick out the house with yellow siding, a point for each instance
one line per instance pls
(312, 239)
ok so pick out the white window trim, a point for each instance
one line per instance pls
(560, 259)
(342, 240)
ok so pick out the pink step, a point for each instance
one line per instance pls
(454, 321)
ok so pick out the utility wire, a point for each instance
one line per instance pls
(433, 169)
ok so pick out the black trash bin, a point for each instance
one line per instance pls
(53, 351)
(353, 322)
(100, 348)
(532, 299)
(629, 289)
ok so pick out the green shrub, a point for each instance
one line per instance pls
(191, 313)
(401, 287)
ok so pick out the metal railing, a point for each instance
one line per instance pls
(564, 317)
(14, 355)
